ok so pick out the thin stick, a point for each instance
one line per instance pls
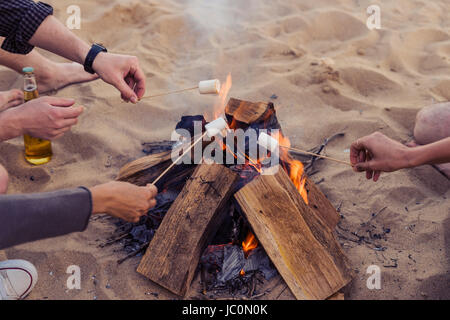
(182, 155)
(317, 155)
(170, 92)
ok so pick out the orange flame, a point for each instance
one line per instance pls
(219, 105)
(296, 174)
(249, 243)
(296, 169)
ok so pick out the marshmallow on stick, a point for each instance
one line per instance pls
(209, 86)
(204, 87)
(268, 142)
(212, 129)
(216, 127)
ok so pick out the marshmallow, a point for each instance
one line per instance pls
(209, 86)
(216, 127)
(268, 142)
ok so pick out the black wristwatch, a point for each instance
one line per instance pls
(92, 54)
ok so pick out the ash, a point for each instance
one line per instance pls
(228, 266)
(139, 235)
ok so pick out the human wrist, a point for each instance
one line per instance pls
(98, 61)
(413, 157)
(82, 52)
(100, 199)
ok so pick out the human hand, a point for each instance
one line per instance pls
(123, 72)
(11, 98)
(376, 153)
(47, 117)
(123, 200)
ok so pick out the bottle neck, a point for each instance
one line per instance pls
(29, 83)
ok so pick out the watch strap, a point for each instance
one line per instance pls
(92, 54)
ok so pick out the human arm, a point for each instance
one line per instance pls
(19, 20)
(433, 153)
(25, 24)
(46, 118)
(30, 217)
(377, 153)
(121, 71)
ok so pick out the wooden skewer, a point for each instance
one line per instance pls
(289, 148)
(170, 92)
(317, 155)
(182, 155)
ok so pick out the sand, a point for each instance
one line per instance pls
(331, 74)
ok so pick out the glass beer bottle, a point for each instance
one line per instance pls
(37, 151)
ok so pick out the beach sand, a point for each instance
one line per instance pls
(331, 74)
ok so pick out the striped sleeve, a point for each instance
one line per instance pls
(19, 20)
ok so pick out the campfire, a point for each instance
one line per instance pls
(236, 223)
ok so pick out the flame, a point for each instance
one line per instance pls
(219, 105)
(295, 168)
(296, 174)
(249, 243)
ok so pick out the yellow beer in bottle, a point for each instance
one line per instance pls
(37, 151)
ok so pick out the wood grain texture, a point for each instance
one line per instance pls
(245, 111)
(319, 203)
(146, 169)
(142, 170)
(299, 243)
(195, 216)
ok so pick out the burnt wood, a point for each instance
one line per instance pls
(299, 243)
(245, 111)
(192, 220)
(242, 114)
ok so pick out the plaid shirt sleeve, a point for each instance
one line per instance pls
(19, 20)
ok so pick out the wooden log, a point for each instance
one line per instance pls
(192, 220)
(323, 208)
(241, 114)
(337, 296)
(299, 243)
(245, 111)
(146, 169)
(137, 171)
